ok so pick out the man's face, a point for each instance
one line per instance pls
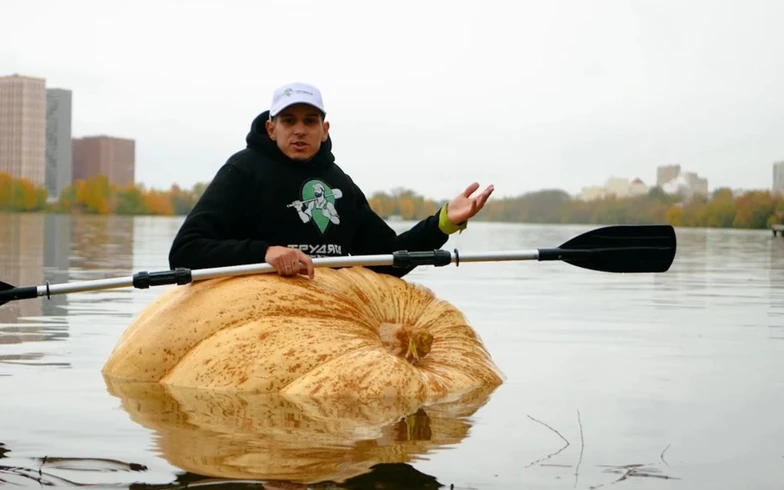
(299, 131)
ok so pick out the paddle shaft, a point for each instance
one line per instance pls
(180, 276)
(619, 249)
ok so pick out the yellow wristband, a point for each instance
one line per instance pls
(446, 225)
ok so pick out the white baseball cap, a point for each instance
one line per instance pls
(296, 93)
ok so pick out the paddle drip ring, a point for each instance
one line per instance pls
(457, 259)
(47, 291)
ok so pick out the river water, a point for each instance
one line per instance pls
(662, 381)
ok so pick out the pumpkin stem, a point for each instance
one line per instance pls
(419, 345)
(409, 343)
(414, 427)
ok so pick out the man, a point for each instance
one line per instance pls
(283, 200)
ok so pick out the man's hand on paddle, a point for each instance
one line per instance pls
(464, 206)
(289, 261)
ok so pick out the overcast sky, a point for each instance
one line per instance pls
(429, 95)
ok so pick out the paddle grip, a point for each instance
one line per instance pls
(144, 279)
(404, 258)
(550, 254)
(28, 292)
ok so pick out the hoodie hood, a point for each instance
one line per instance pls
(258, 139)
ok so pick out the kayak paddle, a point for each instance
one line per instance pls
(617, 249)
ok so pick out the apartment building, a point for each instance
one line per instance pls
(59, 161)
(23, 127)
(778, 177)
(113, 157)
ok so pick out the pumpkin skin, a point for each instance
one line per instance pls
(270, 436)
(348, 333)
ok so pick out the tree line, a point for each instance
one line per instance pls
(753, 209)
(97, 195)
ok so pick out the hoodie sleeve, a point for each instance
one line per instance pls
(209, 235)
(375, 236)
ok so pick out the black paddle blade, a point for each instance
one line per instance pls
(622, 248)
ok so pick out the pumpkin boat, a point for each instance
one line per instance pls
(349, 333)
(292, 379)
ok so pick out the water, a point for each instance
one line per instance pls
(650, 381)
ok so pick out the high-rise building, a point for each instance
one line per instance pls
(23, 127)
(666, 173)
(778, 177)
(105, 155)
(673, 181)
(58, 141)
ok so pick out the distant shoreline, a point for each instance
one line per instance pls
(752, 209)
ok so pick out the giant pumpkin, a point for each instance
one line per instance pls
(348, 332)
(271, 436)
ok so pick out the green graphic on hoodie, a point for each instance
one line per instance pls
(317, 204)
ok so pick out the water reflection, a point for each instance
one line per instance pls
(36, 248)
(32, 254)
(22, 261)
(689, 271)
(102, 246)
(743, 266)
(776, 287)
(70, 472)
(297, 442)
(55, 471)
(776, 262)
(387, 476)
(57, 244)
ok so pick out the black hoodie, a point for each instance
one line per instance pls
(260, 198)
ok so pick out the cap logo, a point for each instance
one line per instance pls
(290, 91)
(296, 92)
